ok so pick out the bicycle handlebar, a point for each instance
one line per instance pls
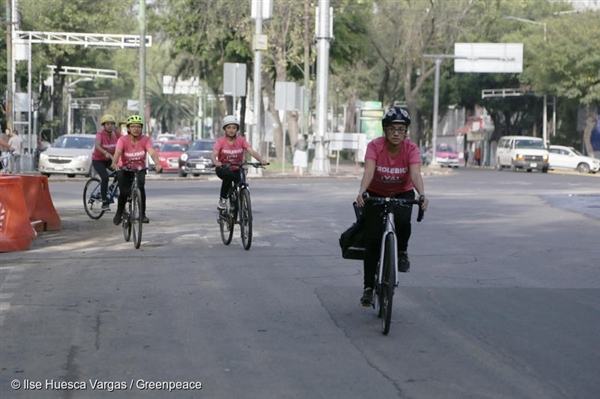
(399, 202)
(241, 164)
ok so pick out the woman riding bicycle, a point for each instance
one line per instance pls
(230, 149)
(392, 169)
(106, 141)
(131, 152)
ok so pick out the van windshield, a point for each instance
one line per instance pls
(539, 144)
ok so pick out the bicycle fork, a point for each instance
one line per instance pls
(390, 228)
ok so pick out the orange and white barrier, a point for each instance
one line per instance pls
(25, 206)
(39, 203)
(16, 232)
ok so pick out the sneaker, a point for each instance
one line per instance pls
(222, 203)
(105, 206)
(403, 262)
(145, 219)
(117, 218)
(367, 298)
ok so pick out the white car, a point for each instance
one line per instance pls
(568, 158)
(70, 154)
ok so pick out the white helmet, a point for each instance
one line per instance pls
(230, 120)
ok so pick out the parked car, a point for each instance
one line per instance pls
(165, 137)
(169, 153)
(196, 159)
(70, 154)
(568, 158)
(522, 152)
(445, 155)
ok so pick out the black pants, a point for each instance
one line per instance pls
(374, 225)
(101, 167)
(125, 179)
(228, 176)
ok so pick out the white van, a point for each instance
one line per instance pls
(522, 152)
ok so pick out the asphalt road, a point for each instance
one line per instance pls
(502, 301)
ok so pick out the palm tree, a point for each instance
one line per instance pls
(171, 110)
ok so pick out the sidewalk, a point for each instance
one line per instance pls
(345, 169)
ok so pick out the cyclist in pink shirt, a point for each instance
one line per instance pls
(392, 169)
(131, 152)
(106, 141)
(230, 149)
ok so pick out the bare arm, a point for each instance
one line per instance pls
(214, 156)
(115, 159)
(98, 146)
(157, 166)
(255, 154)
(368, 173)
(417, 181)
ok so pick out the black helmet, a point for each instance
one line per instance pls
(395, 115)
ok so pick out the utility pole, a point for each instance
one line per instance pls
(306, 111)
(320, 165)
(257, 78)
(9, 66)
(142, 100)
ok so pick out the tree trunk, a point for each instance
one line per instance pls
(590, 122)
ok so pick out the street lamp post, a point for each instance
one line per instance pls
(545, 111)
(69, 108)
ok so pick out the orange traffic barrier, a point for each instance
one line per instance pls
(16, 232)
(39, 203)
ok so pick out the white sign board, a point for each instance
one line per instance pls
(234, 79)
(171, 85)
(286, 96)
(488, 57)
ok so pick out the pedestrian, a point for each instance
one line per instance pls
(466, 157)
(300, 160)
(16, 143)
(478, 156)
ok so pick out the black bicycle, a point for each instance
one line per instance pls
(386, 277)
(133, 217)
(239, 207)
(92, 198)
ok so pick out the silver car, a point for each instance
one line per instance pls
(70, 154)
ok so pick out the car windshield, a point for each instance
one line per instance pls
(445, 148)
(173, 147)
(202, 146)
(529, 144)
(577, 152)
(84, 143)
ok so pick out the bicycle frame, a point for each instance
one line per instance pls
(390, 228)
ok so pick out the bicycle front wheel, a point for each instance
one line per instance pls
(126, 221)
(388, 283)
(136, 217)
(92, 199)
(246, 218)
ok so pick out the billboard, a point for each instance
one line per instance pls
(488, 57)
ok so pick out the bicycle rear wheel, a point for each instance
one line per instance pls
(388, 283)
(126, 221)
(136, 217)
(92, 199)
(246, 218)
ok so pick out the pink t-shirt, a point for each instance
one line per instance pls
(133, 155)
(231, 153)
(108, 143)
(391, 175)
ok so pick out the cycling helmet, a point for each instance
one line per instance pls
(107, 118)
(135, 119)
(396, 115)
(230, 120)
